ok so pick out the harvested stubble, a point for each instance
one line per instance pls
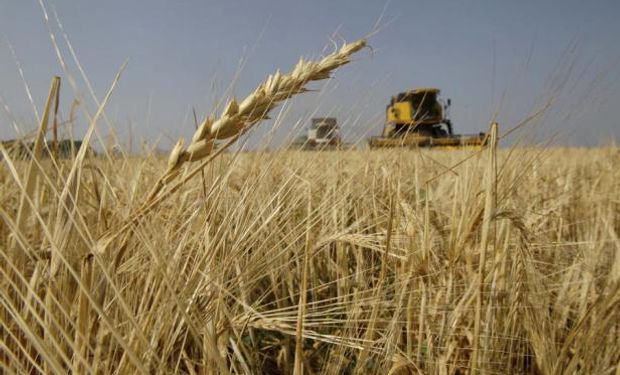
(211, 284)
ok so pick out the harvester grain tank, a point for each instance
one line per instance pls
(419, 118)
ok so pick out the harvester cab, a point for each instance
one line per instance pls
(419, 118)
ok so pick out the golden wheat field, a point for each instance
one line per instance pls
(502, 260)
(354, 262)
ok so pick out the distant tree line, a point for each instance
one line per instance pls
(19, 149)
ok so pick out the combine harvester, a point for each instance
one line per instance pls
(323, 134)
(418, 118)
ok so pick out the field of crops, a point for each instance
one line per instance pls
(356, 262)
(394, 261)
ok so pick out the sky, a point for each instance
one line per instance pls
(496, 60)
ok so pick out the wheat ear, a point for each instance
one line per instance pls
(237, 117)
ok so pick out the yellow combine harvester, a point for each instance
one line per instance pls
(418, 118)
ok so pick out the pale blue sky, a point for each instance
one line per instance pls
(509, 56)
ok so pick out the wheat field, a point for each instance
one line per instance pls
(353, 262)
(492, 261)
